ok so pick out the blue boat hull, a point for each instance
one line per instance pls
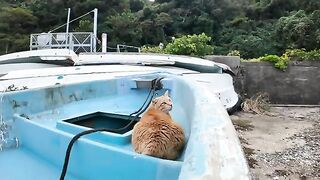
(37, 118)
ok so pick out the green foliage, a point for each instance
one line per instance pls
(279, 62)
(251, 38)
(234, 53)
(299, 30)
(155, 25)
(15, 26)
(194, 45)
(136, 5)
(123, 28)
(155, 49)
(162, 19)
(253, 27)
(84, 26)
(251, 45)
(303, 55)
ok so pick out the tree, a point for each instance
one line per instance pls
(16, 24)
(123, 28)
(161, 22)
(194, 45)
(251, 46)
(298, 31)
(84, 26)
(50, 13)
(155, 26)
(253, 27)
(136, 5)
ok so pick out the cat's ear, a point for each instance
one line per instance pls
(166, 93)
(154, 101)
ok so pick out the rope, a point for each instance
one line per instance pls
(70, 21)
(113, 48)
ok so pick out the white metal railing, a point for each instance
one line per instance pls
(76, 41)
(127, 47)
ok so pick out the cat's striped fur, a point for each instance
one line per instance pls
(156, 134)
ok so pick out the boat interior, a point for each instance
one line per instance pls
(39, 124)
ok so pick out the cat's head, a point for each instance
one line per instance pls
(162, 103)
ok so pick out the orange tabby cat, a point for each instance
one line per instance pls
(156, 134)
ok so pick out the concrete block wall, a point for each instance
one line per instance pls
(298, 84)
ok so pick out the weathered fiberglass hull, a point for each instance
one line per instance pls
(38, 121)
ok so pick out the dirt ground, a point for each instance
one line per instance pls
(283, 143)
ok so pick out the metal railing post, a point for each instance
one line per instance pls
(104, 42)
(30, 44)
(95, 21)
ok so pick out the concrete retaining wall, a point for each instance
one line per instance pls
(298, 84)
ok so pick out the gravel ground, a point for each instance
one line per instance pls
(283, 143)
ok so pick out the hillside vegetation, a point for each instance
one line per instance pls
(252, 27)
